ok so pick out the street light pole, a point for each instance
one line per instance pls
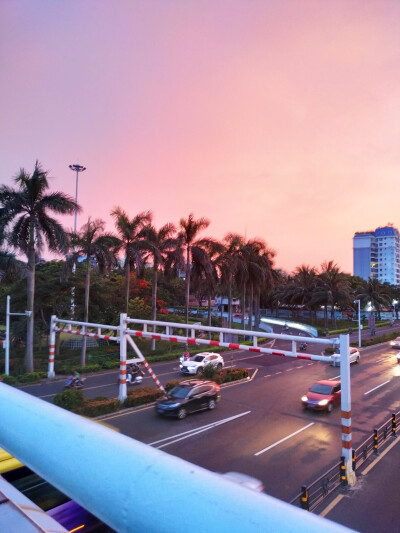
(359, 322)
(77, 168)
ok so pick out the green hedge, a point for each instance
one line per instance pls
(231, 374)
(9, 380)
(223, 376)
(95, 407)
(142, 396)
(70, 399)
(31, 377)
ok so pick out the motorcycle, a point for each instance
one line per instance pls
(74, 382)
(303, 346)
(134, 378)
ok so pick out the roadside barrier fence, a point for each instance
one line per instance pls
(311, 496)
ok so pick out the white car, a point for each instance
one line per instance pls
(197, 363)
(244, 480)
(354, 357)
(395, 343)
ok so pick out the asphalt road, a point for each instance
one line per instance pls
(259, 427)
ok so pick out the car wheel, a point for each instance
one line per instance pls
(219, 367)
(200, 371)
(329, 408)
(211, 403)
(182, 413)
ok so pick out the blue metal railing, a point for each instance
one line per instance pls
(131, 486)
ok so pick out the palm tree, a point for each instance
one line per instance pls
(205, 268)
(190, 228)
(254, 270)
(131, 241)
(26, 211)
(156, 245)
(228, 266)
(93, 246)
(375, 292)
(333, 287)
(301, 288)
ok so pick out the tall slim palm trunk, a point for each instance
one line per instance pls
(187, 283)
(30, 301)
(154, 302)
(127, 283)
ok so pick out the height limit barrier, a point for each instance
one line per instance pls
(129, 328)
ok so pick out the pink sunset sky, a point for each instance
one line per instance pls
(274, 119)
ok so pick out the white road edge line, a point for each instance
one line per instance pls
(381, 385)
(286, 438)
(197, 431)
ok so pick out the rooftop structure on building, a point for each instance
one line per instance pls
(376, 254)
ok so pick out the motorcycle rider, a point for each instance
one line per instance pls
(76, 377)
(132, 372)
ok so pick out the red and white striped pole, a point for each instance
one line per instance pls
(122, 358)
(347, 452)
(143, 360)
(52, 346)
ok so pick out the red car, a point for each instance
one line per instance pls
(322, 396)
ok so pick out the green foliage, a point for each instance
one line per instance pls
(70, 399)
(9, 380)
(142, 396)
(224, 376)
(110, 364)
(30, 377)
(138, 308)
(377, 340)
(97, 407)
(88, 368)
(173, 383)
(231, 374)
(210, 372)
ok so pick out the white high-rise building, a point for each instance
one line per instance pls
(376, 254)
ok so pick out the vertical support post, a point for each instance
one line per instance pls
(122, 358)
(52, 346)
(255, 340)
(346, 408)
(376, 437)
(394, 425)
(294, 346)
(304, 498)
(7, 341)
(221, 337)
(343, 476)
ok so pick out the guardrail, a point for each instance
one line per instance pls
(312, 495)
(110, 475)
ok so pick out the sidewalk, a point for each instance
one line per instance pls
(371, 506)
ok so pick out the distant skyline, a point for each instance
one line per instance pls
(275, 119)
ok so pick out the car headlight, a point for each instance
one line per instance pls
(304, 399)
(323, 402)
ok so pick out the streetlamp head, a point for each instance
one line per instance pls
(77, 168)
